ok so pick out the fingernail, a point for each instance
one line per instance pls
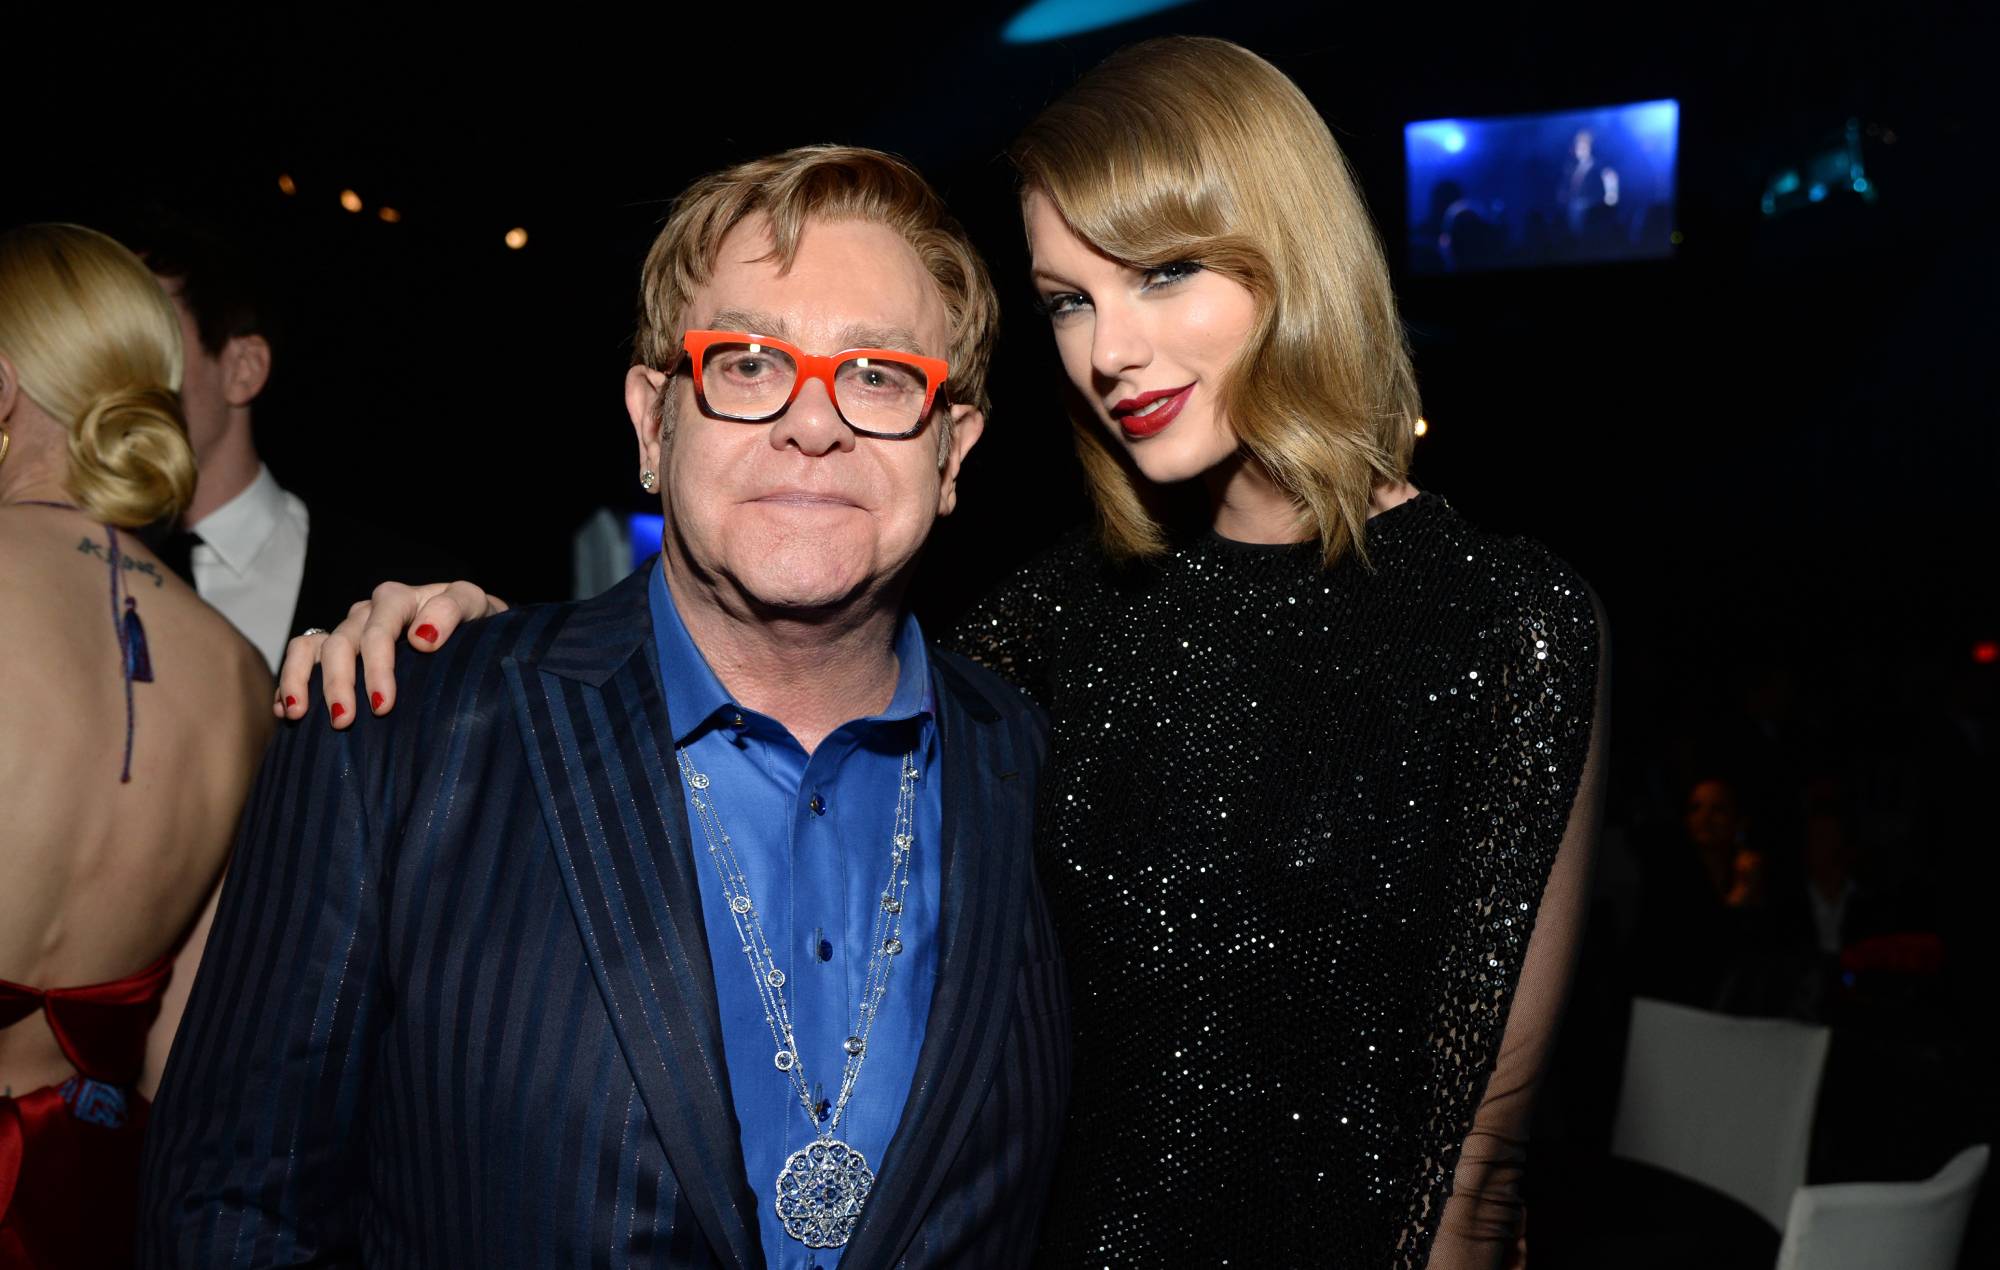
(291, 700)
(338, 709)
(426, 633)
(375, 699)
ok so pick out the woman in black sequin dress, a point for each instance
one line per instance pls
(1319, 804)
(1319, 807)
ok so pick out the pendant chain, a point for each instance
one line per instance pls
(886, 939)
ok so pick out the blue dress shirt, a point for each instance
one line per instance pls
(812, 836)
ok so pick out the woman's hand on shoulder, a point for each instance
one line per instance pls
(428, 614)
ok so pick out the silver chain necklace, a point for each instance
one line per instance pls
(823, 1186)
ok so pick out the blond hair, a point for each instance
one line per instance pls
(97, 346)
(821, 182)
(1197, 149)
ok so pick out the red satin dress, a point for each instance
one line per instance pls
(69, 1153)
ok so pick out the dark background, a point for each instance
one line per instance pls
(1774, 455)
(1779, 441)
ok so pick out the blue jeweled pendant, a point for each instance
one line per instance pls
(821, 1191)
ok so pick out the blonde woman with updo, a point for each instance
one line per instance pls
(1317, 818)
(132, 717)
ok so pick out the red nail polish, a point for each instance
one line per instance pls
(375, 698)
(291, 700)
(338, 709)
(426, 633)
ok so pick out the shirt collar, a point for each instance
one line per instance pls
(695, 696)
(238, 529)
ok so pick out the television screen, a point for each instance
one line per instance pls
(1519, 191)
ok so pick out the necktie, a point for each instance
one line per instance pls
(177, 553)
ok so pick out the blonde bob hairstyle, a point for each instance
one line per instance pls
(97, 346)
(820, 182)
(1195, 149)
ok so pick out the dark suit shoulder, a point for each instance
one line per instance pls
(583, 639)
(476, 653)
(460, 691)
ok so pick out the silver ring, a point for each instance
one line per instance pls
(314, 630)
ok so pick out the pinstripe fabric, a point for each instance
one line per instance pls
(458, 1006)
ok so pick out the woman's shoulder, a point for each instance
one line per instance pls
(1056, 576)
(1021, 624)
(1073, 563)
(1505, 583)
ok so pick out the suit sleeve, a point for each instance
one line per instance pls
(255, 1152)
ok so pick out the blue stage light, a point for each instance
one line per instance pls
(1053, 19)
(1817, 192)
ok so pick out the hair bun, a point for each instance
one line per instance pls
(130, 462)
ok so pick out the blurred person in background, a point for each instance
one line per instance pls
(253, 549)
(1701, 913)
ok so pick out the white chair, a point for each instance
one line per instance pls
(1863, 1225)
(1725, 1101)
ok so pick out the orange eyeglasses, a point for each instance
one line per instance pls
(878, 392)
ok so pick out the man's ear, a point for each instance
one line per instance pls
(246, 368)
(967, 422)
(645, 389)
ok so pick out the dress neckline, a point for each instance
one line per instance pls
(1382, 526)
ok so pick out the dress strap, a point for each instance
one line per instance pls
(131, 643)
(17, 1002)
(101, 1027)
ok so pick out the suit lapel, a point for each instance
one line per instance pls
(600, 748)
(985, 886)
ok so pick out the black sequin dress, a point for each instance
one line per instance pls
(1298, 829)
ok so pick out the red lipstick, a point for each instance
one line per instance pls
(1170, 401)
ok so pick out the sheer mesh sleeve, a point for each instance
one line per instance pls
(1482, 1220)
(1525, 865)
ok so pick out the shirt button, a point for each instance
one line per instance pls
(818, 805)
(825, 951)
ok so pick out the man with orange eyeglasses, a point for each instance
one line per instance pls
(694, 924)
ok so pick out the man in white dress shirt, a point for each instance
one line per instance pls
(256, 553)
(252, 551)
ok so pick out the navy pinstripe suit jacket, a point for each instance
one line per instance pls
(458, 1008)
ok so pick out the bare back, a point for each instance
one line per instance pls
(98, 878)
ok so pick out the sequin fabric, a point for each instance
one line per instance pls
(1296, 828)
